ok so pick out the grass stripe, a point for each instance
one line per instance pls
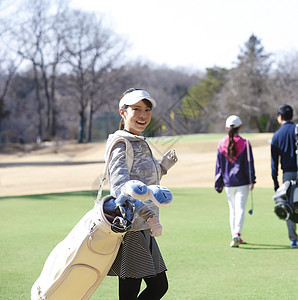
(195, 245)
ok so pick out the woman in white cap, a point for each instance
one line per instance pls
(139, 257)
(235, 175)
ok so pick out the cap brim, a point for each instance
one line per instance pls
(137, 99)
(136, 96)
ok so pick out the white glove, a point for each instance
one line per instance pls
(168, 160)
(155, 226)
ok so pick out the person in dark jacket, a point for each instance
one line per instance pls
(283, 148)
(234, 154)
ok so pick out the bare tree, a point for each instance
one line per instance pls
(51, 60)
(8, 64)
(246, 90)
(286, 75)
(39, 35)
(8, 69)
(284, 83)
(91, 49)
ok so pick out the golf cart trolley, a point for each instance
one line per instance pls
(286, 196)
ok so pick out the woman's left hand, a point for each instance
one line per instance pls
(168, 160)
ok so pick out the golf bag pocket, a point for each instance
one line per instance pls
(77, 265)
(85, 279)
(286, 202)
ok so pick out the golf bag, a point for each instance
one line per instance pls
(286, 196)
(77, 265)
(286, 201)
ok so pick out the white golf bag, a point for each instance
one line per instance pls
(78, 264)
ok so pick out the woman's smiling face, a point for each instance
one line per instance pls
(136, 117)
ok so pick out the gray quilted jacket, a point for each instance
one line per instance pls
(144, 167)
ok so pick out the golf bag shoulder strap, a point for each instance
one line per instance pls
(129, 161)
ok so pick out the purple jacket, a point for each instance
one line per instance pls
(233, 172)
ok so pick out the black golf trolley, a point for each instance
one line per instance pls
(286, 196)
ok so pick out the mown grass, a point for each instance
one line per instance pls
(194, 244)
(196, 137)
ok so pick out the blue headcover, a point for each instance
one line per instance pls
(160, 195)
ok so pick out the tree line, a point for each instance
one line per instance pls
(63, 70)
(253, 89)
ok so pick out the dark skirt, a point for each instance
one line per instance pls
(138, 256)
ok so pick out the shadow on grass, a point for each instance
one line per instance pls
(255, 246)
(48, 163)
(52, 196)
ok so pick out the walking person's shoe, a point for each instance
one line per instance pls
(240, 239)
(294, 244)
(235, 242)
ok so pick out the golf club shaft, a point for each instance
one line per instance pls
(249, 173)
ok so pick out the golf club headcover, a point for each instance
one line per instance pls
(128, 207)
(110, 206)
(168, 160)
(161, 196)
(155, 226)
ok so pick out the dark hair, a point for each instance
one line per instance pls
(232, 151)
(147, 102)
(286, 111)
(121, 124)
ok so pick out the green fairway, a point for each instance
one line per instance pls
(195, 137)
(194, 244)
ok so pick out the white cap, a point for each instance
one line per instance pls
(233, 121)
(136, 96)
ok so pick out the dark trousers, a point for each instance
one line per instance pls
(157, 286)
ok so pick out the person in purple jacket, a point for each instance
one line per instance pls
(232, 173)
